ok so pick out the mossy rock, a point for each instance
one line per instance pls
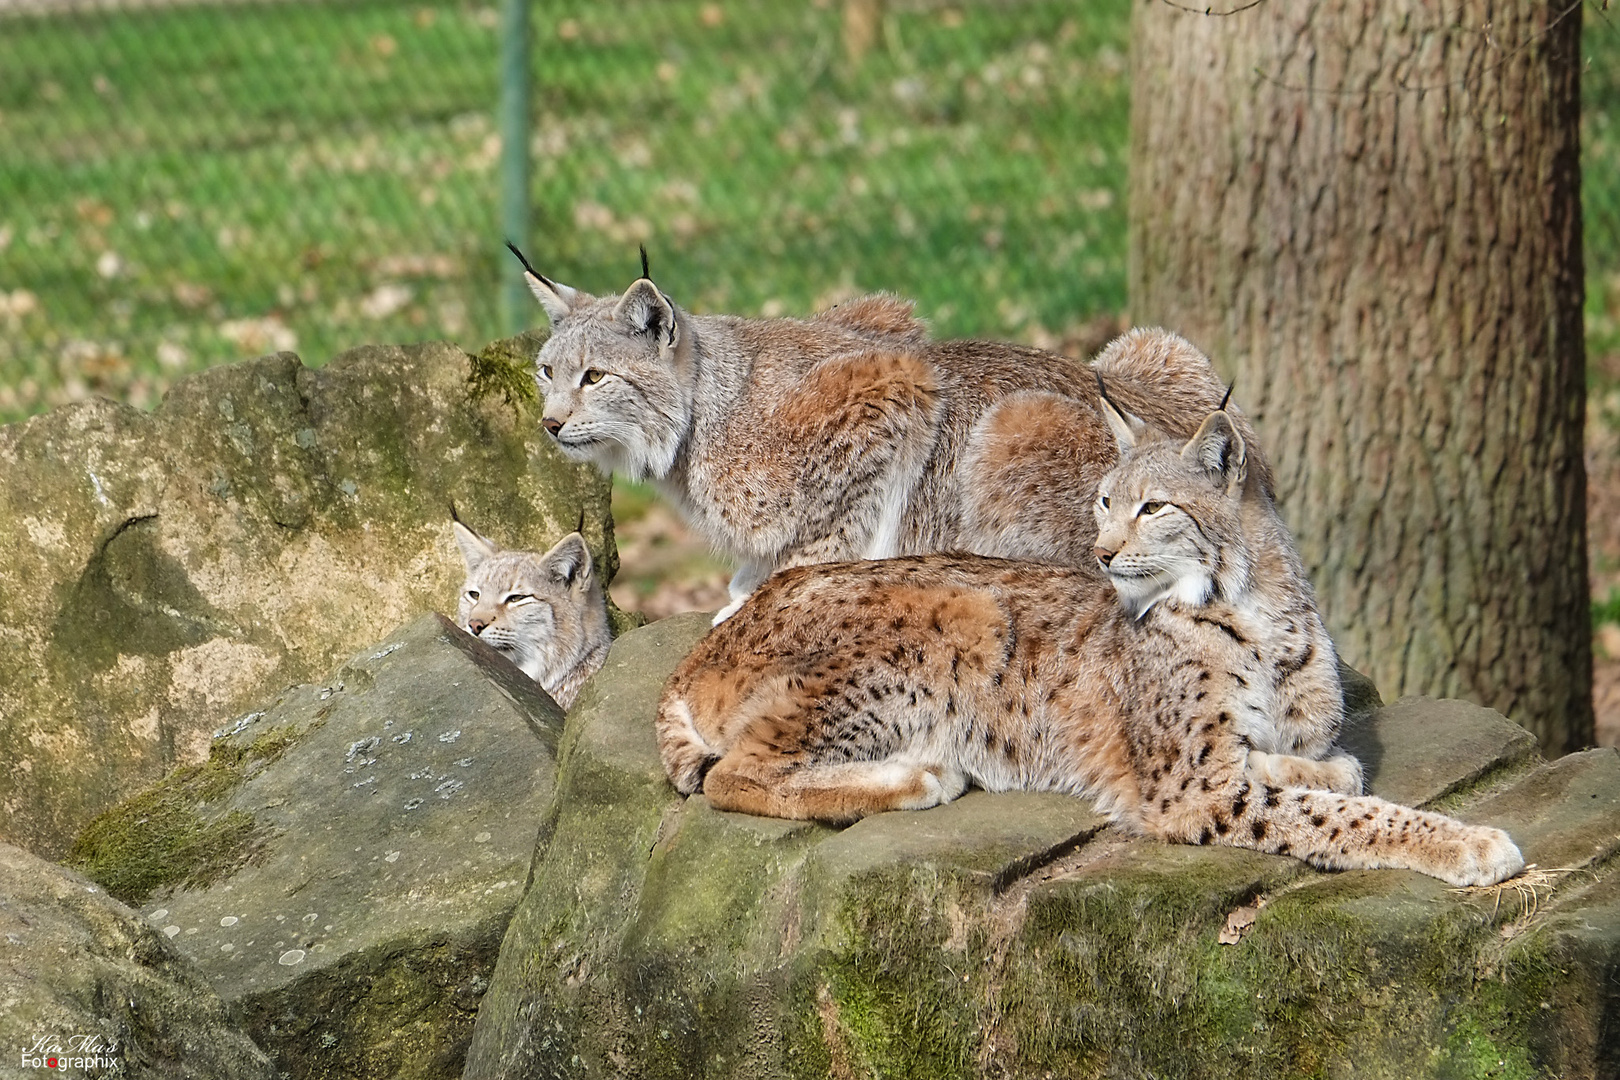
(344, 866)
(162, 572)
(89, 983)
(1019, 935)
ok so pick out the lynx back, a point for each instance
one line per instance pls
(850, 434)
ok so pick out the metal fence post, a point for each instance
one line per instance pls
(517, 306)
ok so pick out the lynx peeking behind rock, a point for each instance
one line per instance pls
(1193, 695)
(850, 434)
(547, 613)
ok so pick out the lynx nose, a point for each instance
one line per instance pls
(552, 426)
(476, 626)
(1104, 556)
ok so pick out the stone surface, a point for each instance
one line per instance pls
(1017, 935)
(390, 814)
(1435, 747)
(85, 980)
(160, 573)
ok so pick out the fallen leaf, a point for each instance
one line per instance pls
(1238, 923)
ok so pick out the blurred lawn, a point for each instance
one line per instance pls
(184, 186)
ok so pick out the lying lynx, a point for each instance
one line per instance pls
(546, 613)
(1193, 695)
(850, 435)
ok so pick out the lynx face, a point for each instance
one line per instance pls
(1168, 521)
(546, 613)
(609, 374)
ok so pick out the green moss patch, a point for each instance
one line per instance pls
(506, 367)
(168, 835)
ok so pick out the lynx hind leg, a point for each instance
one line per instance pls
(1340, 773)
(1032, 465)
(755, 778)
(1362, 832)
(1354, 832)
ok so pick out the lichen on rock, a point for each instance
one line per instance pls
(88, 983)
(163, 572)
(343, 867)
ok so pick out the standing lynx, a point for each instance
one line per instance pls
(850, 434)
(1193, 694)
(546, 613)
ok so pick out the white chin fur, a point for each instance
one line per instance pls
(1138, 594)
(642, 463)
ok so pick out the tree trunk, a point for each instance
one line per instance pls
(1369, 214)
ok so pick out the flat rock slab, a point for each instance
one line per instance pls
(1019, 935)
(88, 988)
(1434, 747)
(162, 572)
(395, 809)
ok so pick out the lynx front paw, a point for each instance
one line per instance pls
(1343, 774)
(1340, 773)
(1485, 858)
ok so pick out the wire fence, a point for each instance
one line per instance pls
(185, 183)
(182, 184)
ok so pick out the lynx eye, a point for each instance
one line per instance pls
(592, 377)
(545, 372)
(472, 594)
(1151, 508)
(1102, 501)
(516, 598)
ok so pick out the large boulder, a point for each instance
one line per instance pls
(1020, 935)
(343, 867)
(87, 987)
(160, 573)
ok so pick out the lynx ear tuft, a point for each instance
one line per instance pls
(1219, 450)
(1127, 429)
(644, 309)
(569, 562)
(475, 549)
(558, 300)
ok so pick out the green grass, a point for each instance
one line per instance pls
(185, 186)
(191, 185)
(1600, 182)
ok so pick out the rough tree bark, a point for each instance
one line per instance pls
(1369, 213)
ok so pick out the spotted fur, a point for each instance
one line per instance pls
(547, 613)
(1183, 682)
(850, 435)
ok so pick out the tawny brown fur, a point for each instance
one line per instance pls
(850, 435)
(1189, 689)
